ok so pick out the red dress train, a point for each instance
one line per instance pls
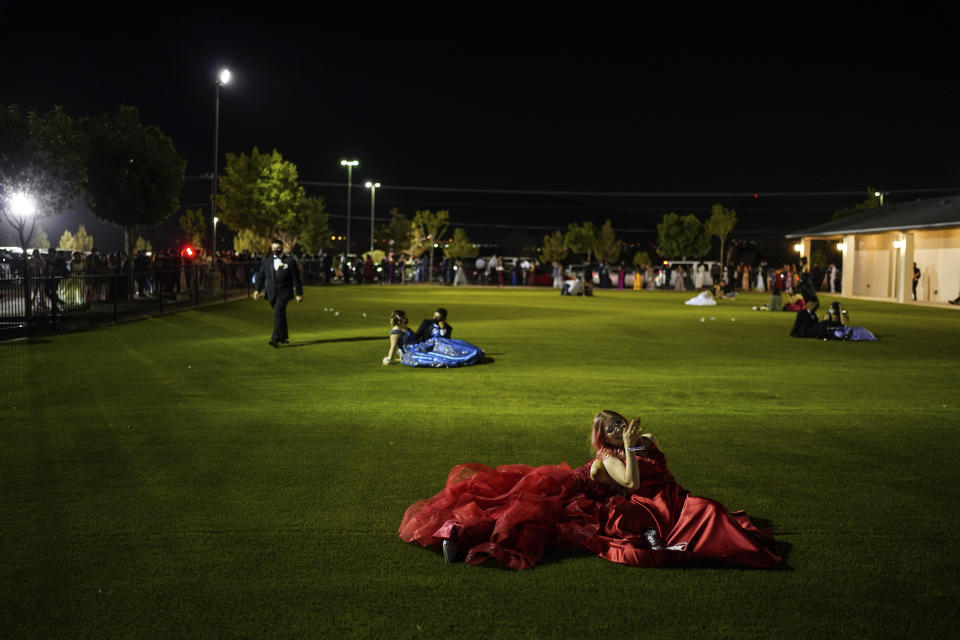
(514, 513)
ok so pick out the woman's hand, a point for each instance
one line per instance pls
(632, 433)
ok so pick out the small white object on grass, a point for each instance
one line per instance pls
(702, 319)
(336, 313)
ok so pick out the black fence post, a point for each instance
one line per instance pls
(114, 292)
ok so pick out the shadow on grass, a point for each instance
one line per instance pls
(310, 343)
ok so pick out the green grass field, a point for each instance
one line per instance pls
(177, 477)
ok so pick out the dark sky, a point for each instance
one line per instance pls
(532, 125)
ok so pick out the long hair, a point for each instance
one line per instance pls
(601, 422)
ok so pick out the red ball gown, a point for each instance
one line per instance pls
(515, 513)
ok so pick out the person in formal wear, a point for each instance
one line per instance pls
(916, 280)
(623, 505)
(806, 324)
(437, 351)
(279, 276)
(435, 327)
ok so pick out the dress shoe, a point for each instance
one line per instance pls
(284, 342)
(449, 550)
(273, 344)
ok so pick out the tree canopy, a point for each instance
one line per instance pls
(581, 238)
(396, 232)
(261, 192)
(460, 246)
(872, 201)
(721, 223)
(682, 237)
(553, 248)
(194, 226)
(79, 241)
(429, 227)
(134, 173)
(41, 157)
(607, 247)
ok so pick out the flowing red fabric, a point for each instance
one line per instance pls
(514, 513)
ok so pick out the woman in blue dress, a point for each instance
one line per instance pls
(436, 351)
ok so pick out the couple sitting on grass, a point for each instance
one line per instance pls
(430, 346)
(623, 505)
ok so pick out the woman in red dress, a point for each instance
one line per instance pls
(624, 505)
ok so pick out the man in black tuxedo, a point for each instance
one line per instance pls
(439, 320)
(280, 274)
(807, 325)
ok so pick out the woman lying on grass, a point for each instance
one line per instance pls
(623, 505)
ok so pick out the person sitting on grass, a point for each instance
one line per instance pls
(806, 324)
(703, 299)
(623, 505)
(837, 326)
(437, 351)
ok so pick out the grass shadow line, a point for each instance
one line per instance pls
(310, 343)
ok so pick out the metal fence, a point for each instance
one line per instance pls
(50, 302)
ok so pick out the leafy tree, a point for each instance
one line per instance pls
(607, 246)
(315, 229)
(460, 247)
(134, 172)
(261, 192)
(553, 248)
(429, 228)
(396, 232)
(721, 223)
(248, 240)
(41, 156)
(79, 241)
(194, 226)
(872, 202)
(682, 237)
(641, 260)
(581, 238)
(142, 245)
(41, 239)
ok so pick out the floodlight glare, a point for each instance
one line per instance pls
(225, 76)
(22, 205)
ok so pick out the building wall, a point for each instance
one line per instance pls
(875, 264)
(937, 254)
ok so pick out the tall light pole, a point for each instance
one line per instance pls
(373, 186)
(215, 221)
(349, 164)
(223, 79)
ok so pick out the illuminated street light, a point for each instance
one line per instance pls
(223, 79)
(22, 205)
(349, 164)
(215, 221)
(373, 186)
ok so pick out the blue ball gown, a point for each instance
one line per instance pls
(437, 351)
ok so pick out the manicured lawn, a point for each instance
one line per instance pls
(177, 477)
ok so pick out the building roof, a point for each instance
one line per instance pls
(935, 213)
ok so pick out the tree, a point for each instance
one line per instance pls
(460, 247)
(396, 232)
(315, 229)
(41, 157)
(142, 245)
(607, 246)
(641, 260)
(430, 226)
(721, 223)
(261, 192)
(134, 173)
(79, 241)
(194, 226)
(872, 202)
(249, 241)
(581, 238)
(553, 248)
(682, 237)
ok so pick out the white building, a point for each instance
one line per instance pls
(880, 246)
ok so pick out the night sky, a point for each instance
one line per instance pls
(524, 128)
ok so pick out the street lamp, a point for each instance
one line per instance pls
(349, 164)
(223, 79)
(215, 221)
(373, 186)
